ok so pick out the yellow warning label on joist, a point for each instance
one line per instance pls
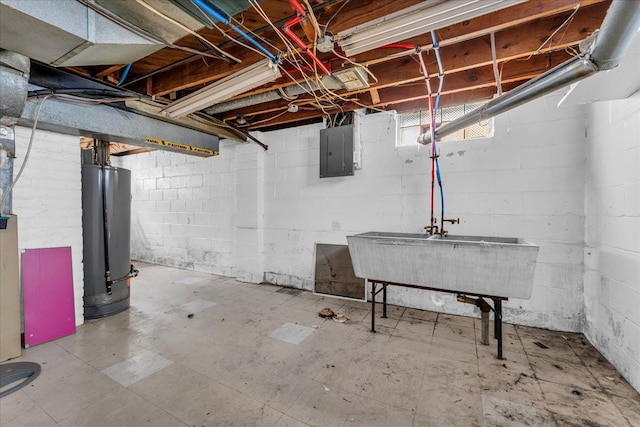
(179, 146)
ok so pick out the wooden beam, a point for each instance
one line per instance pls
(109, 70)
(471, 81)
(197, 73)
(375, 96)
(492, 23)
(406, 70)
(517, 43)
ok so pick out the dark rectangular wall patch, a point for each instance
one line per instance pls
(334, 272)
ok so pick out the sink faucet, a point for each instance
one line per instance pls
(431, 229)
(443, 232)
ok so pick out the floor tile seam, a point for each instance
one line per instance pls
(41, 408)
(601, 393)
(602, 386)
(82, 408)
(132, 391)
(619, 410)
(221, 383)
(291, 416)
(78, 358)
(526, 353)
(373, 399)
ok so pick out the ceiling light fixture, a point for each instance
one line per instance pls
(353, 79)
(249, 78)
(414, 21)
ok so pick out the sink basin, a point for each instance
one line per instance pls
(477, 265)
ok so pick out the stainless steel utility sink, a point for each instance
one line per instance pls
(476, 265)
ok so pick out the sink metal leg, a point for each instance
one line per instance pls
(498, 325)
(374, 285)
(384, 301)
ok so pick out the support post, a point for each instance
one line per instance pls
(384, 301)
(373, 306)
(498, 325)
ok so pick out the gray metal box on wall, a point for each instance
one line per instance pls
(336, 151)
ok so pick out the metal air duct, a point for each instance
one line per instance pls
(289, 92)
(611, 42)
(68, 33)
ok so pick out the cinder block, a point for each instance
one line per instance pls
(169, 194)
(155, 195)
(178, 206)
(523, 180)
(185, 193)
(553, 203)
(472, 182)
(495, 203)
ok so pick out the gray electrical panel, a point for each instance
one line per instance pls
(336, 151)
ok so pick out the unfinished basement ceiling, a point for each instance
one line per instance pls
(531, 37)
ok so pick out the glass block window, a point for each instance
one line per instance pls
(411, 124)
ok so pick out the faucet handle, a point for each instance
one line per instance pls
(452, 221)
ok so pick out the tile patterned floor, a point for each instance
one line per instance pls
(228, 364)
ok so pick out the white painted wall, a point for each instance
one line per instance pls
(527, 181)
(48, 199)
(182, 209)
(612, 233)
(253, 214)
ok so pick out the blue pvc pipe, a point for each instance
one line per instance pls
(436, 46)
(225, 18)
(124, 75)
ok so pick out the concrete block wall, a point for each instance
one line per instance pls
(48, 199)
(526, 181)
(612, 233)
(257, 215)
(182, 209)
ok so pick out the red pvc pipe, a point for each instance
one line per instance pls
(303, 46)
(433, 163)
(328, 64)
(293, 21)
(399, 46)
(298, 7)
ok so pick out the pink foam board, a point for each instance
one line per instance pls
(47, 283)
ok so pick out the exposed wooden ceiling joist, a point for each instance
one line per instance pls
(531, 37)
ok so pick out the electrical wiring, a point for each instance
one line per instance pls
(327, 94)
(356, 64)
(324, 33)
(565, 23)
(26, 156)
(265, 120)
(293, 57)
(496, 74)
(187, 29)
(109, 97)
(314, 22)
